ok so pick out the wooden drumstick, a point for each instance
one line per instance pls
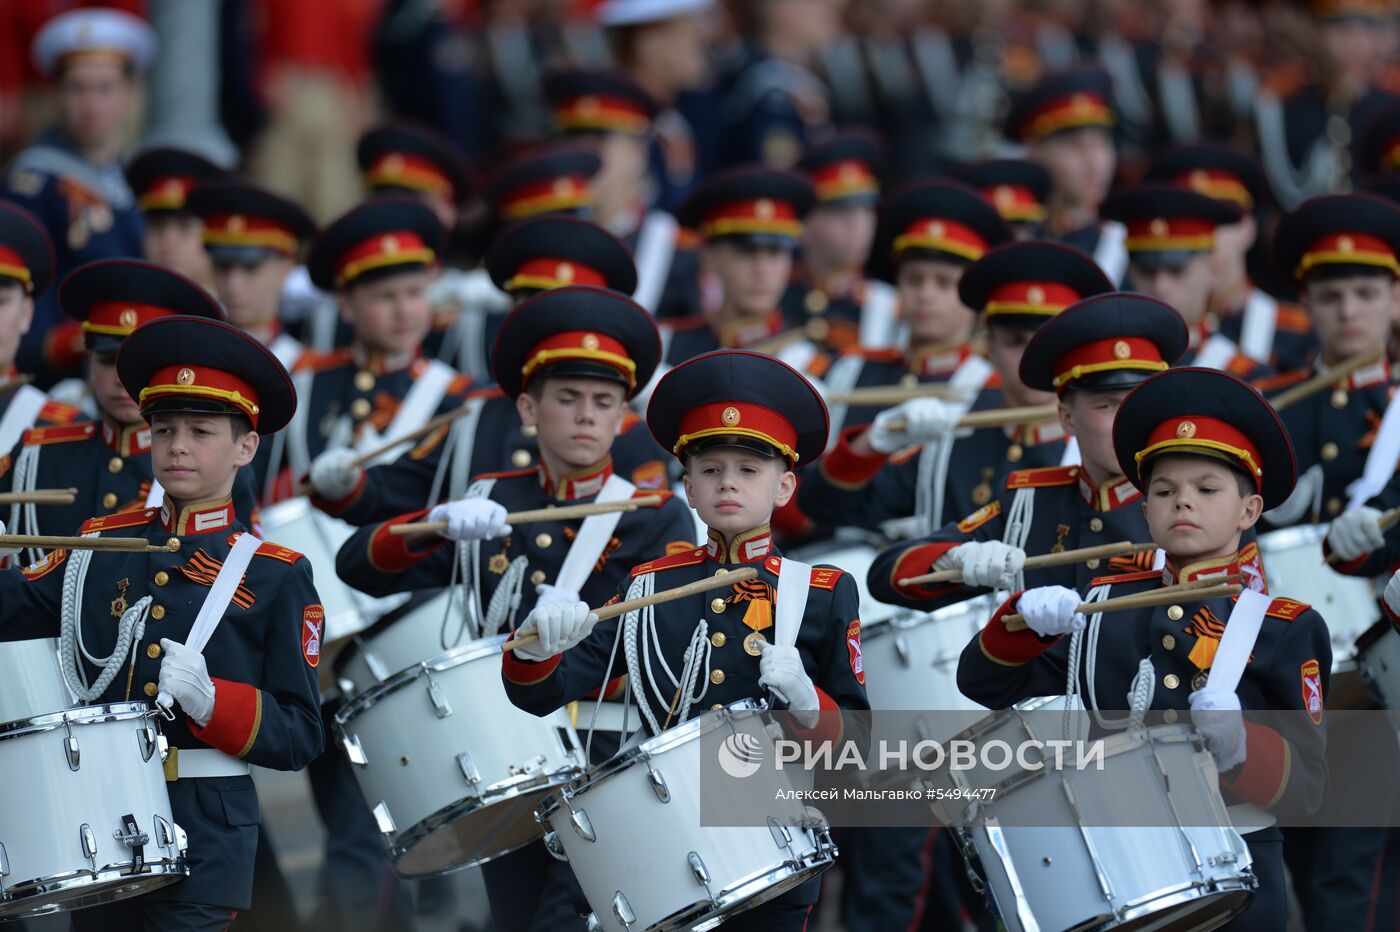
(1122, 548)
(1196, 591)
(40, 497)
(360, 461)
(656, 598)
(1386, 522)
(565, 513)
(119, 544)
(1323, 380)
(999, 417)
(887, 395)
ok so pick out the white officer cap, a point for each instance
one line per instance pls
(635, 12)
(95, 31)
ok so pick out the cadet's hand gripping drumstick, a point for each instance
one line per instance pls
(441, 420)
(1323, 380)
(1122, 548)
(656, 598)
(39, 497)
(1000, 417)
(1387, 521)
(1196, 591)
(565, 513)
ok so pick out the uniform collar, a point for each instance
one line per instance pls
(937, 360)
(129, 440)
(1115, 492)
(374, 362)
(1035, 434)
(1174, 575)
(752, 546)
(740, 333)
(582, 483)
(199, 518)
(1377, 373)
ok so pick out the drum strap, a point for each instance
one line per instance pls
(840, 379)
(1111, 254)
(593, 536)
(1381, 461)
(1216, 352)
(656, 246)
(417, 406)
(1257, 328)
(287, 349)
(790, 604)
(155, 496)
(879, 315)
(20, 415)
(967, 381)
(1237, 643)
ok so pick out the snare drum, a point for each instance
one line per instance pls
(423, 628)
(631, 831)
(1293, 565)
(1378, 656)
(911, 659)
(85, 815)
(451, 769)
(30, 680)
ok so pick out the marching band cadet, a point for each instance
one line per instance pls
(107, 460)
(1090, 355)
(739, 421)
(550, 179)
(1344, 251)
(875, 473)
(530, 257)
(568, 360)
(404, 159)
(250, 697)
(1018, 189)
(829, 294)
(162, 179)
(71, 178)
(253, 238)
(1266, 329)
(1171, 257)
(1208, 453)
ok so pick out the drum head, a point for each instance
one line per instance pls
(1209, 911)
(81, 889)
(469, 833)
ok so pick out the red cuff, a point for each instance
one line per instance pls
(1350, 567)
(237, 717)
(847, 469)
(335, 507)
(1264, 774)
(916, 561)
(390, 553)
(524, 672)
(1010, 648)
(828, 727)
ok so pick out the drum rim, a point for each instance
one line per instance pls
(441, 663)
(1294, 534)
(78, 715)
(164, 871)
(1180, 894)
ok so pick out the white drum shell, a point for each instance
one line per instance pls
(31, 683)
(373, 656)
(911, 660)
(1294, 567)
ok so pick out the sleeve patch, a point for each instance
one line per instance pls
(313, 626)
(979, 517)
(52, 561)
(853, 649)
(1311, 675)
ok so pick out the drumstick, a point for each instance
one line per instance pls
(121, 544)
(656, 598)
(1386, 522)
(441, 420)
(1122, 548)
(999, 417)
(39, 497)
(541, 514)
(886, 395)
(1196, 591)
(1323, 380)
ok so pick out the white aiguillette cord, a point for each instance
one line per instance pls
(216, 603)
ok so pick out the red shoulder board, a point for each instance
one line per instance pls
(1272, 383)
(122, 519)
(1286, 609)
(979, 517)
(630, 419)
(662, 494)
(490, 391)
(58, 412)
(508, 473)
(825, 577)
(1113, 579)
(684, 558)
(311, 361)
(277, 552)
(688, 239)
(1042, 478)
(459, 385)
(689, 322)
(1293, 319)
(68, 433)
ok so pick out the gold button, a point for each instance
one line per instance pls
(1014, 453)
(109, 500)
(536, 577)
(908, 380)
(817, 329)
(543, 540)
(150, 689)
(1329, 451)
(1175, 613)
(153, 651)
(1339, 398)
(1168, 642)
(114, 464)
(360, 408)
(717, 605)
(529, 430)
(172, 544)
(1092, 564)
(1334, 506)
(1169, 716)
(162, 578)
(520, 459)
(1171, 681)
(1096, 524)
(721, 572)
(717, 706)
(718, 639)
(716, 676)
(157, 612)
(817, 301)
(364, 380)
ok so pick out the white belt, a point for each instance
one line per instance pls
(1247, 818)
(202, 762)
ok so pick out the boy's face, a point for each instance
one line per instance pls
(1195, 509)
(196, 456)
(1088, 415)
(109, 391)
(176, 240)
(1353, 314)
(1005, 345)
(95, 100)
(838, 237)
(390, 315)
(251, 292)
(577, 418)
(16, 313)
(735, 490)
(1185, 287)
(1081, 163)
(752, 277)
(929, 302)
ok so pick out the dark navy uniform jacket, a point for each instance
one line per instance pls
(1288, 670)
(262, 659)
(769, 110)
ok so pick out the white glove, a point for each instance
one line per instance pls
(1356, 533)
(184, 678)
(780, 669)
(1392, 594)
(1051, 611)
(1216, 715)
(559, 627)
(924, 419)
(334, 473)
(548, 595)
(988, 563)
(471, 519)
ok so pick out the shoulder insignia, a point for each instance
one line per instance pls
(649, 477)
(59, 413)
(1113, 579)
(508, 473)
(429, 443)
(679, 546)
(630, 419)
(1286, 609)
(119, 521)
(826, 577)
(51, 562)
(684, 558)
(663, 494)
(1293, 319)
(872, 354)
(67, 433)
(688, 323)
(899, 458)
(312, 361)
(688, 239)
(1273, 383)
(459, 385)
(1044, 477)
(979, 517)
(275, 551)
(1241, 365)
(490, 391)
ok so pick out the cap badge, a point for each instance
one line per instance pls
(1035, 294)
(185, 376)
(127, 318)
(236, 224)
(590, 341)
(1345, 244)
(564, 272)
(1159, 227)
(730, 416)
(763, 209)
(1121, 349)
(393, 164)
(389, 243)
(1186, 430)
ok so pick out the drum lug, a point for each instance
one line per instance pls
(165, 833)
(469, 771)
(623, 910)
(782, 837)
(4, 861)
(354, 750)
(130, 834)
(554, 846)
(71, 749)
(593, 925)
(438, 699)
(182, 841)
(901, 649)
(147, 739)
(384, 820)
(163, 745)
(89, 843)
(376, 666)
(582, 824)
(658, 784)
